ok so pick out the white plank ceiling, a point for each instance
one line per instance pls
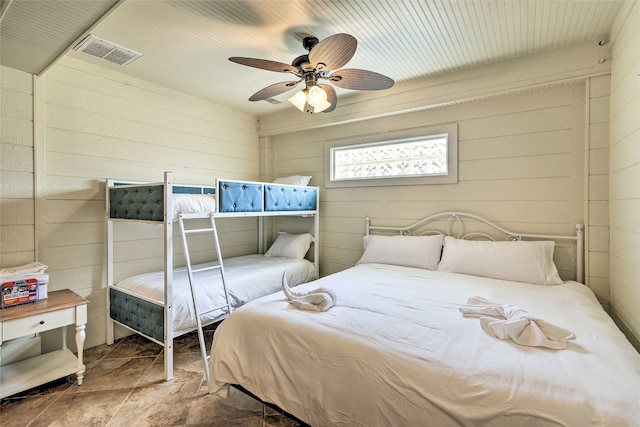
(186, 43)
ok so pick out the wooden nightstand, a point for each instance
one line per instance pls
(60, 309)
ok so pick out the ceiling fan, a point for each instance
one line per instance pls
(319, 64)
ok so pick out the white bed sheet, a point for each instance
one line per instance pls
(395, 350)
(248, 277)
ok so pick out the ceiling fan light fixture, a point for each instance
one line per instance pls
(312, 100)
(317, 98)
(321, 107)
(299, 100)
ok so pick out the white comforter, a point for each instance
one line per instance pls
(396, 351)
(247, 277)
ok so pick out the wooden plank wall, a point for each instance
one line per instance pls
(597, 214)
(625, 173)
(17, 244)
(98, 125)
(521, 163)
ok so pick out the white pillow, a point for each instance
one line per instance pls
(518, 261)
(294, 246)
(293, 180)
(408, 251)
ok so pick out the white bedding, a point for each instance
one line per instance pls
(248, 277)
(396, 351)
(193, 203)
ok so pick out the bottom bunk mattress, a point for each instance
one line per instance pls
(396, 349)
(247, 277)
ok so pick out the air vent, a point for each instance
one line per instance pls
(106, 50)
(272, 101)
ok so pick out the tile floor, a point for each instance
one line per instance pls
(124, 386)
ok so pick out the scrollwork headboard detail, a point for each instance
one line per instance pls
(455, 225)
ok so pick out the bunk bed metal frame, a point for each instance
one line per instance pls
(156, 206)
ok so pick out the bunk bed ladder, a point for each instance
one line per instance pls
(190, 271)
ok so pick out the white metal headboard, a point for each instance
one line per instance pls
(456, 226)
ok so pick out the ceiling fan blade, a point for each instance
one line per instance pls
(333, 52)
(353, 78)
(265, 64)
(332, 98)
(273, 90)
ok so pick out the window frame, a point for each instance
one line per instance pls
(451, 130)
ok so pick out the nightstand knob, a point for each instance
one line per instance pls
(42, 322)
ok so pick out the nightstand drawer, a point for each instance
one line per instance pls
(38, 323)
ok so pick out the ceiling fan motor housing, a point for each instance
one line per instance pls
(310, 79)
(302, 63)
(309, 42)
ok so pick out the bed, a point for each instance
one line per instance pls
(419, 340)
(159, 304)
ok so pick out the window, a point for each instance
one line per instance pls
(427, 158)
(422, 156)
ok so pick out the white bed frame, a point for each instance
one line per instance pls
(455, 224)
(168, 233)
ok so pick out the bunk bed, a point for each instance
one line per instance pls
(439, 330)
(163, 305)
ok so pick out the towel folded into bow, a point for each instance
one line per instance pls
(507, 321)
(320, 299)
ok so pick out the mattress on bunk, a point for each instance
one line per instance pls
(247, 277)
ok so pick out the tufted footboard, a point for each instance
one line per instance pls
(136, 313)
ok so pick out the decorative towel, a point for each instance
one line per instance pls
(507, 321)
(21, 270)
(320, 299)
